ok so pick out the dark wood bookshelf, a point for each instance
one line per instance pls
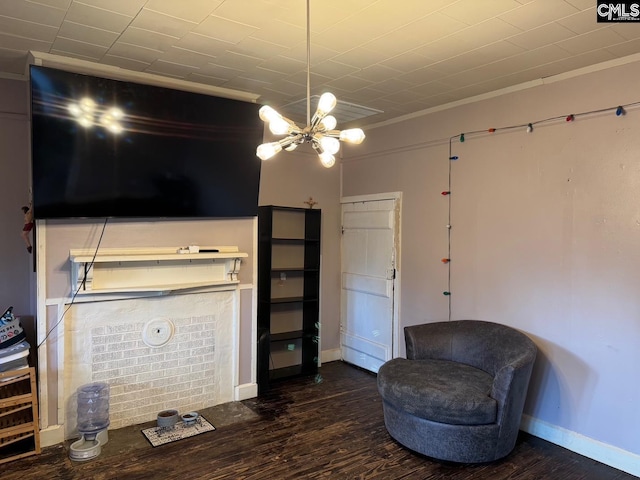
(288, 293)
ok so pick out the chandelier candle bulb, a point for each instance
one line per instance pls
(353, 135)
(329, 144)
(279, 126)
(268, 150)
(329, 122)
(327, 159)
(267, 114)
(327, 103)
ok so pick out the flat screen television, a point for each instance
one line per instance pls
(109, 148)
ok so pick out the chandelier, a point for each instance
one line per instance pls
(320, 130)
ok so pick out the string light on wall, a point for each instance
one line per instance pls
(320, 130)
(447, 193)
(620, 111)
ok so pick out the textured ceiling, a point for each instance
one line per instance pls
(394, 56)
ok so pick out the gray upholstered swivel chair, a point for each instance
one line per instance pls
(459, 394)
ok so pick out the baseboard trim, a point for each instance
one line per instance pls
(604, 453)
(245, 391)
(332, 355)
(51, 435)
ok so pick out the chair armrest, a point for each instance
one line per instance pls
(509, 388)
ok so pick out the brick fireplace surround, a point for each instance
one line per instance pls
(105, 333)
(104, 343)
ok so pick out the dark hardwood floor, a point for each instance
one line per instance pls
(329, 427)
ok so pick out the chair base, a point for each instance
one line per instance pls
(452, 443)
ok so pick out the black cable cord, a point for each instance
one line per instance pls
(82, 284)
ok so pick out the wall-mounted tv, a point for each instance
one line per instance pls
(109, 148)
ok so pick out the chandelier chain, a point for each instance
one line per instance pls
(308, 64)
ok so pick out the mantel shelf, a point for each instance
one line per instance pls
(150, 254)
(122, 270)
(163, 289)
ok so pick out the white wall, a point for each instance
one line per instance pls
(545, 235)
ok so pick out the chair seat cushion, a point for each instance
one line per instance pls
(438, 390)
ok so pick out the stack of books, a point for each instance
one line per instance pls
(14, 348)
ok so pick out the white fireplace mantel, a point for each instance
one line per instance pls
(159, 270)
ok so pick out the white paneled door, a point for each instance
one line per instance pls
(369, 256)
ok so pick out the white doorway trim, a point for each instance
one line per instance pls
(396, 292)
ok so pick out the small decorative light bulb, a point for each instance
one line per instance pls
(327, 159)
(446, 294)
(446, 193)
(352, 135)
(329, 122)
(462, 138)
(491, 130)
(530, 128)
(326, 103)
(619, 111)
(445, 260)
(268, 114)
(570, 118)
(455, 157)
(279, 126)
(330, 144)
(268, 150)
